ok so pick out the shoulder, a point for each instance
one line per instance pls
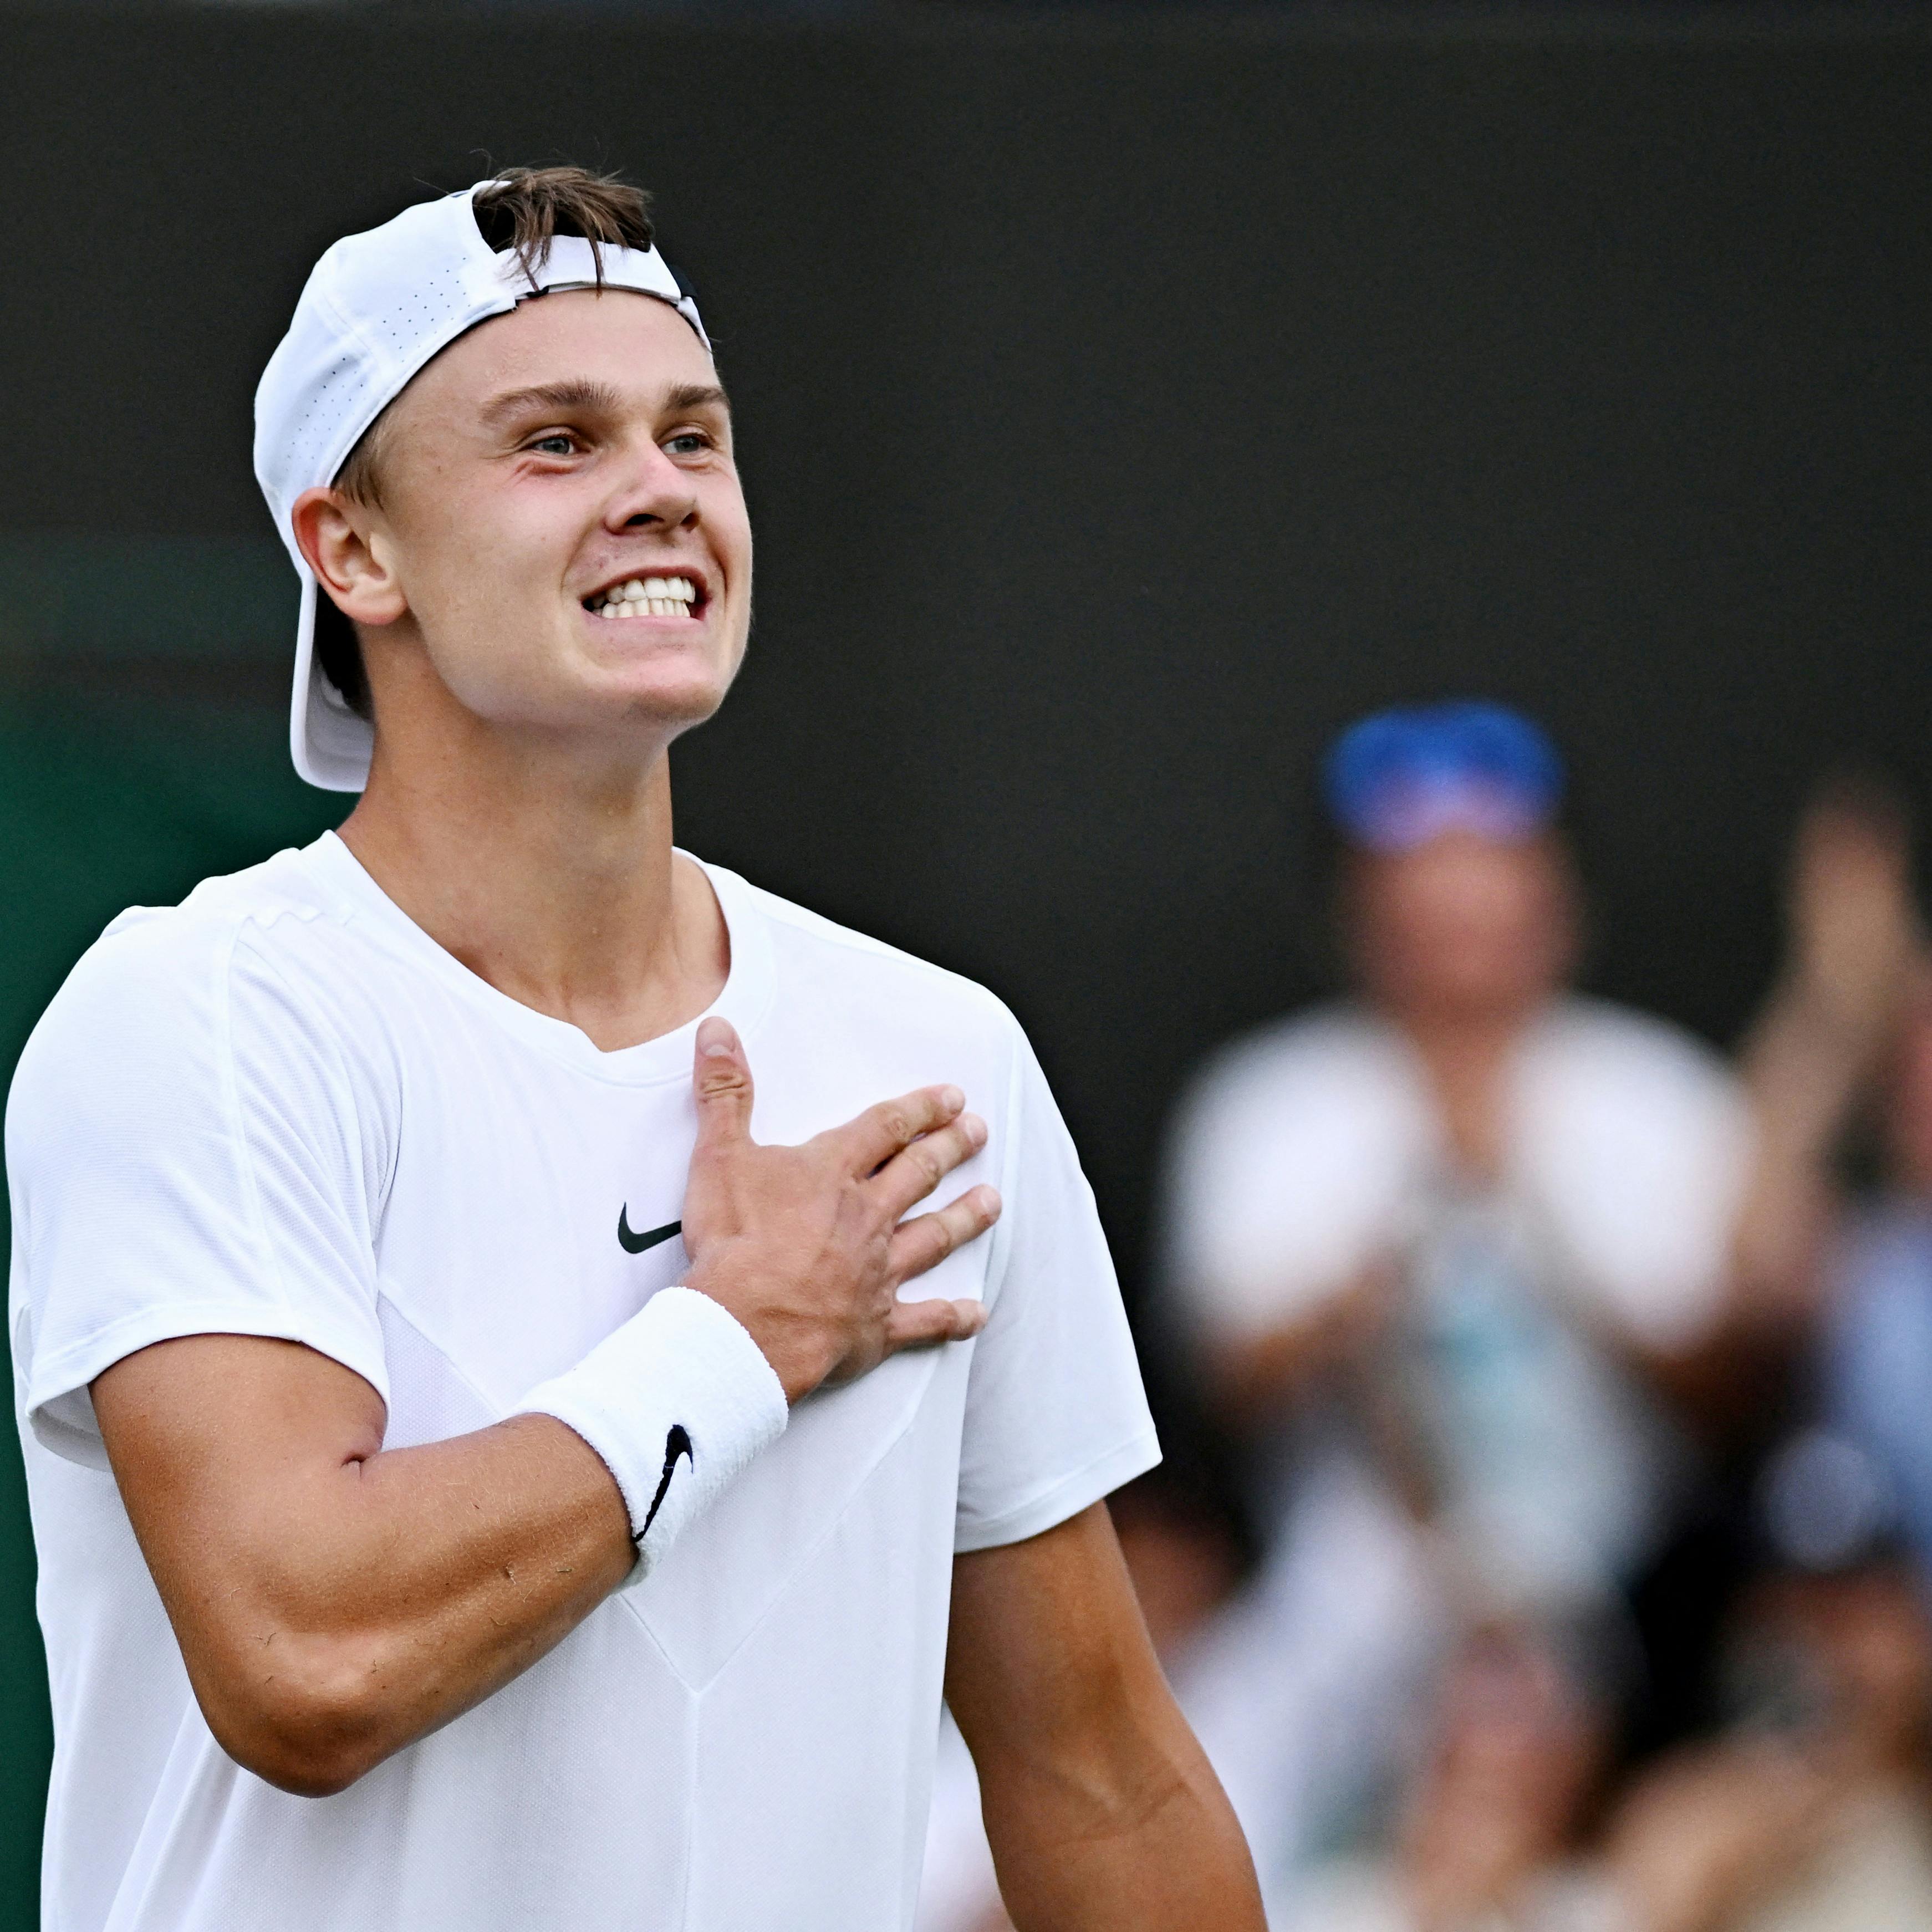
(1638, 1044)
(1303, 1068)
(844, 971)
(1625, 1066)
(1636, 1138)
(162, 984)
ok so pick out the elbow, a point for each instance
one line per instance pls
(311, 1726)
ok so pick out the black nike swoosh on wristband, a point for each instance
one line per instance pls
(676, 1443)
(635, 1244)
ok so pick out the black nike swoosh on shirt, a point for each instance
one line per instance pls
(635, 1244)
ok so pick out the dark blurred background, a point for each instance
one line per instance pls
(1127, 400)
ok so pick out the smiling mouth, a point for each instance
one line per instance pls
(645, 597)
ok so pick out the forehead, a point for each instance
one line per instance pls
(633, 345)
(1453, 859)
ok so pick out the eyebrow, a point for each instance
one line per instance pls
(581, 393)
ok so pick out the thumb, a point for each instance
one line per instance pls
(721, 1080)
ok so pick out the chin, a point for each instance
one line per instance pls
(679, 703)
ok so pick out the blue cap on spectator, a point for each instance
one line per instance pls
(1399, 778)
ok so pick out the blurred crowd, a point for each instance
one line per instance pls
(1556, 1556)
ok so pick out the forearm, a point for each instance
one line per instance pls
(1150, 1845)
(445, 1571)
(384, 1598)
(1804, 1069)
(334, 1601)
(1102, 1810)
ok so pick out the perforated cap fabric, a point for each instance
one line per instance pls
(377, 307)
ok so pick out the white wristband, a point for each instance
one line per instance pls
(677, 1401)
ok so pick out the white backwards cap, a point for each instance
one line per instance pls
(377, 308)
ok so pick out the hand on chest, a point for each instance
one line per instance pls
(530, 1215)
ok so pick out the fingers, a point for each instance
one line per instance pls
(911, 1174)
(924, 1325)
(722, 1080)
(880, 1132)
(925, 1242)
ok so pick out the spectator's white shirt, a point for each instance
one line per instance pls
(281, 1110)
(1311, 1148)
(1313, 1151)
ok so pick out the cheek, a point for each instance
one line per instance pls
(483, 566)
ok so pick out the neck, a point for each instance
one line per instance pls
(554, 880)
(1466, 1056)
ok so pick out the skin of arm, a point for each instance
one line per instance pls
(1102, 1810)
(334, 1601)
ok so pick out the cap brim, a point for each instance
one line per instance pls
(330, 745)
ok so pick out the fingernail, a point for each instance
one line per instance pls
(714, 1037)
(975, 1128)
(951, 1098)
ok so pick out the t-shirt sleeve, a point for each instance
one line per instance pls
(186, 1154)
(1056, 1416)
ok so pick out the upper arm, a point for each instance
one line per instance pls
(231, 1453)
(188, 1155)
(1048, 1663)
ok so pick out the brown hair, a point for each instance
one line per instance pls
(520, 213)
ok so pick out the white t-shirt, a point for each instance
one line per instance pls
(1312, 1150)
(1311, 1147)
(281, 1109)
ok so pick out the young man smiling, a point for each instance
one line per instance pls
(476, 1485)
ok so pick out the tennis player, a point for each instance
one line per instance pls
(476, 1483)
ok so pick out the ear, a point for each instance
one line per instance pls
(348, 550)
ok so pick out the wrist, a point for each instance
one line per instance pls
(739, 1280)
(677, 1401)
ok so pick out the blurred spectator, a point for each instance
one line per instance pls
(1456, 1252)
(1489, 1830)
(1846, 1041)
(1854, 958)
(1446, 1248)
(1811, 1812)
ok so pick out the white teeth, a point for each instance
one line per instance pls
(648, 597)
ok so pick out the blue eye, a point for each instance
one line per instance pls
(555, 445)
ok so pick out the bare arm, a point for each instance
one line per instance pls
(1852, 949)
(1853, 953)
(334, 1601)
(1103, 1813)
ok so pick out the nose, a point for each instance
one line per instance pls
(655, 494)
